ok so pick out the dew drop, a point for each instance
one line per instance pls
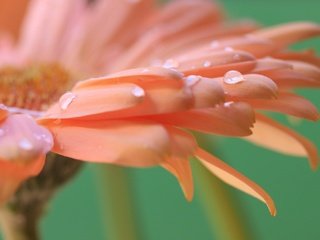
(170, 63)
(192, 80)
(228, 49)
(25, 144)
(207, 64)
(138, 92)
(233, 77)
(145, 70)
(228, 104)
(66, 99)
(214, 44)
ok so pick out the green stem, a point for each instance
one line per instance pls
(117, 205)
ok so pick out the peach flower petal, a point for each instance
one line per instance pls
(234, 178)
(290, 33)
(231, 119)
(288, 103)
(248, 86)
(181, 169)
(272, 135)
(128, 143)
(84, 102)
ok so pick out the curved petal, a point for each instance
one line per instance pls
(181, 169)
(207, 93)
(92, 101)
(129, 143)
(234, 178)
(23, 147)
(272, 135)
(288, 103)
(139, 76)
(287, 34)
(248, 86)
(216, 63)
(22, 140)
(231, 119)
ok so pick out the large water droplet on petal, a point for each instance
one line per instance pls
(66, 99)
(233, 77)
(138, 92)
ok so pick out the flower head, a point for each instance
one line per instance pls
(203, 75)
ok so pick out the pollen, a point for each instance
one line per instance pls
(33, 87)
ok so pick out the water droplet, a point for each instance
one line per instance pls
(214, 44)
(145, 70)
(233, 77)
(192, 79)
(170, 63)
(207, 64)
(237, 57)
(66, 99)
(228, 104)
(138, 92)
(228, 49)
(25, 144)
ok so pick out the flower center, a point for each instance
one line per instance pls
(34, 87)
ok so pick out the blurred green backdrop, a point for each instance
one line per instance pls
(161, 210)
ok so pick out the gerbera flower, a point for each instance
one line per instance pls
(197, 73)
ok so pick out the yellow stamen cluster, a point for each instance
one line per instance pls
(33, 87)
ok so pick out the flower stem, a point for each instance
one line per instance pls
(117, 203)
(18, 226)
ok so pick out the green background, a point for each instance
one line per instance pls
(161, 210)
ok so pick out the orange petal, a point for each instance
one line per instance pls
(231, 119)
(289, 78)
(140, 76)
(272, 135)
(90, 101)
(11, 15)
(308, 56)
(128, 143)
(216, 63)
(287, 34)
(269, 64)
(181, 169)
(288, 103)
(206, 92)
(234, 178)
(12, 175)
(248, 86)
(3, 112)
